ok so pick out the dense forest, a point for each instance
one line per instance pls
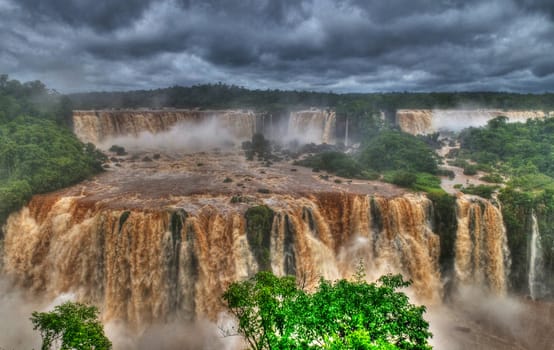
(38, 152)
(230, 96)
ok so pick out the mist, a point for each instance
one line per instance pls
(182, 137)
(476, 319)
(200, 335)
(16, 329)
(457, 120)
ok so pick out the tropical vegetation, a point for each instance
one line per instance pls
(275, 313)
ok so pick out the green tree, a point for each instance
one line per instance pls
(393, 150)
(71, 326)
(273, 313)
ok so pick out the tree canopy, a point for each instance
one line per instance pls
(38, 156)
(394, 150)
(274, 313)
(71, 326)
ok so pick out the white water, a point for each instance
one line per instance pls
(346, 134)
(535, 266)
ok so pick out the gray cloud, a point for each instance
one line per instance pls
(347, 45)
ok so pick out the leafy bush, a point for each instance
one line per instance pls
(334, 162)
(401, 178)
(258, 146)
(259, 220)
(470, 169)
(446, 172)
(71, 326)
(273, 313)
(484, 191)
(492, 178)
(38, 156)
(393, 150)
(119, 150)
(427, 183)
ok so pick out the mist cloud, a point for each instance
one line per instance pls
(182, 137)
(349, 45)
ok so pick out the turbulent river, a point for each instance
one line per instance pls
(157, 238)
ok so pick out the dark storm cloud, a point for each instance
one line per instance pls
(347, 45)
(102, 15)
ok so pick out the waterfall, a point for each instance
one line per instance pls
(312, 126)
(346, 134)
(152, 265)
(535, 260)
(481, 247)
(96, 126)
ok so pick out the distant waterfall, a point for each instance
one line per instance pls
(346, 134)
(314, 125)
(535, 260)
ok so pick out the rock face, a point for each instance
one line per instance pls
(425, 121)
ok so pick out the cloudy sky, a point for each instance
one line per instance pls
(323, 45)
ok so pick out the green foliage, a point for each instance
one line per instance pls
(259, 220)
(446, 172)
(13, 195)
(516, 212)
(406, 160)
(524, 147)
(427, 182)
(484, 191)
(119, 150)
(334, 162)
(470, 169)
(524, 152)
(393, 150)
(71, 326)
(401, 178)
(32, 98)
(445, 224)
(38, 156)
(258, 146)
(231, 96)
(492, 178)
(273, 313)
(364, 119)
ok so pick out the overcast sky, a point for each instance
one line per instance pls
(323, 45)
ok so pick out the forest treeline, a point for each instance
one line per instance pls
(231, 96)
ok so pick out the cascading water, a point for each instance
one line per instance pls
(425, 121)
(346, 134)
(481, 248)
(156, 265)
(315, 125)
(96, 126)
(536, 273)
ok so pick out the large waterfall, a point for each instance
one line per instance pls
(95, 126)
(313, 125)
(425, 121)
(156, 264)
